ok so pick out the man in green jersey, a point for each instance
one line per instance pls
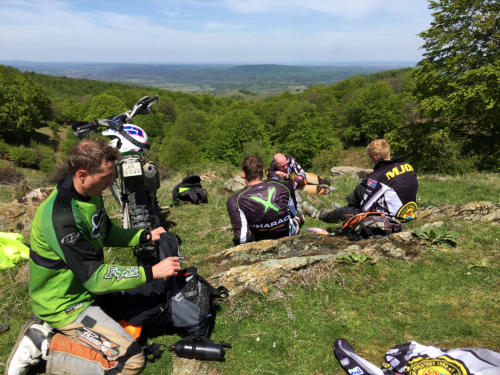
(67, 269)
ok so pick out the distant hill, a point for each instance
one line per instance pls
(218, 79)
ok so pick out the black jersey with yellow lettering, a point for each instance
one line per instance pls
(262, 211)
(392, 189)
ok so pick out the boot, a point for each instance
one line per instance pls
(309, 209)
(30, 348)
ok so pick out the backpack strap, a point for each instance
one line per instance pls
(152, 352)
(220, 291)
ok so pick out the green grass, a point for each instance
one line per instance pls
(445, 296)
(435, 190)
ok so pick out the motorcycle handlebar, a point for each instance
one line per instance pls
(83, 129)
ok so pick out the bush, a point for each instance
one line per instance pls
(328, 158)
(258, 148)
(430, 149)
(47, 159)
(23, 156)
(177, 153)
(67, 144)
(4, 148)
(10, 176)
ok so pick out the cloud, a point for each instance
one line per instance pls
(338, 8)
(215, 25)
(51, 30)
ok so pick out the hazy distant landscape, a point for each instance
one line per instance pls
(217, 79)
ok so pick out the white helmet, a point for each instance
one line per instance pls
(124, 145)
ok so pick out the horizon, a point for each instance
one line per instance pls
(401, 63)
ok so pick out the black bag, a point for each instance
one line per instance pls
(190, 190)
(185, 304)
(193, 307)
(369, 224)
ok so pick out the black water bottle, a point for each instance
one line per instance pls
(203, 350)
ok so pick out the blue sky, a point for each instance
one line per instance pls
(213, 31)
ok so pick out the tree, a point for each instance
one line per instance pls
(103, 106)
(23, 104)
(191, 125)
(300, 131)
(370, 112)
(457, 82)
(231, 131)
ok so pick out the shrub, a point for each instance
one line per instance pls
(328, 158)
(431, 149)
(179, 152)
(10, 176)
(46, 157)
(258, 148)
(4, 148)
(23, 156)
(67, 144)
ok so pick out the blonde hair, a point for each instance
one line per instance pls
(380, 149)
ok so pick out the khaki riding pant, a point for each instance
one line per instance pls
(94, 344)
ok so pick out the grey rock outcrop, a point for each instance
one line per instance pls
(234, 184)
(257, 266)
(353, 171)
(16, 216)
(483, 211)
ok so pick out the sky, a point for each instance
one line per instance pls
(291, 32)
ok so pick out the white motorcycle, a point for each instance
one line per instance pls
(136, 181)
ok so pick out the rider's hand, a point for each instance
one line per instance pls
(281, 174)
(166, 268)
(155, 233)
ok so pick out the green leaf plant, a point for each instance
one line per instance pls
(437, 234)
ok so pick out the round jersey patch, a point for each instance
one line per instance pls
(408, 211)
(443, 365)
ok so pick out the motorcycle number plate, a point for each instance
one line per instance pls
(131, 169)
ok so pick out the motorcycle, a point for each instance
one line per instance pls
(136, 181)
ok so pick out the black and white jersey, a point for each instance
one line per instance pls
(263, 211)
(295, 172)
(392, 189)
(413, 358)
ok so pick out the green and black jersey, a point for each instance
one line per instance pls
(67, 266)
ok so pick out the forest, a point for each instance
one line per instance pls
(210, 78)
(442, 115)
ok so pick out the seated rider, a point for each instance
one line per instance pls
(263, 209)
(286, 168)
(67, 271)
(391, 188)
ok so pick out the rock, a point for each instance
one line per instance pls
(391, 250)
(16, 216)
(234, 184)
(256, 266)
(474, 211)
(403, 237)
(184, 366)
(261, 275)
(353, 248)
(286, 247)
(491, 217)
(353, 171)
(209, 177)
(431, 225)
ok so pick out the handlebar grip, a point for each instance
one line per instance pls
(146, 100)
(83, 129)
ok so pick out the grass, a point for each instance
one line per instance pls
(445, 296)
